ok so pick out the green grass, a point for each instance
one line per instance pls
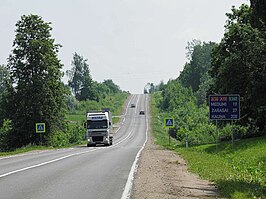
(75, 117)
(24, 150)
(115, 102)
(30, 148)
(239, 173)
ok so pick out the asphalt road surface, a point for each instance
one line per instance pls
(80, 172)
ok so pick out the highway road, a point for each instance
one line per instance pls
(80, 172)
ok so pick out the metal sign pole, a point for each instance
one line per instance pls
(216, 135)
(40, 138)
(169, 123)
(169, 137)
(186, 140)
(232, 122)
(40, 128)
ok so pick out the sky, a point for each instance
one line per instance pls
(132, 42)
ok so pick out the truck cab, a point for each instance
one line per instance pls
(99, 128)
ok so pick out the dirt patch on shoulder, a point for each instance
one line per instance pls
(163, 174)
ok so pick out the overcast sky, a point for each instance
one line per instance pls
(132, 42)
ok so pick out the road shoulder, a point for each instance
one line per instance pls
(163, 174)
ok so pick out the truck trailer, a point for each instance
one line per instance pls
(99, 128)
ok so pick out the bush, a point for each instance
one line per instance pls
(71, 103)
(225, 133)
(76, 134)
(73, 134)
(5, 131)
(58, 139)
(190, 118)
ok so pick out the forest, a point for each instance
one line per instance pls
(236, 65)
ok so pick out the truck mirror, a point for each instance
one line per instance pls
(85, 125)
(110, 123)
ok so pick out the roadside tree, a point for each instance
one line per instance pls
(112, 86)
(195, 72)
(37, 93)
(4, 87)
(3, 78)
(80, 79)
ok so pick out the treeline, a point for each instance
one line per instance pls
(82, 87)
(236, 65)
(31, 90)
(239, 63)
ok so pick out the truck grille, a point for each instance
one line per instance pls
(97, 138)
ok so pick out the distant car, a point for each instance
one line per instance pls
(132, 105)
(142, 113)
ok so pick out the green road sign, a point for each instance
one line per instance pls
(169, 122)
(40, 127)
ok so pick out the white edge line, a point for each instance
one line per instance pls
(129, 183)
(61, 158)
(19, 155)
(45, 163)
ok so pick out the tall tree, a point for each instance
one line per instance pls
(4, 87)
(35, 71)
(112, 86)
(259, 10)
(175, 95)
(3, 78)
(160, 87)
(259, 21)
(194, 72)
(80, 80)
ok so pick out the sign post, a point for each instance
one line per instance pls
(169, 123)
(224, 107)
(186, 140)
(40, 128)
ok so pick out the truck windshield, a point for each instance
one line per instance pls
(97, 124)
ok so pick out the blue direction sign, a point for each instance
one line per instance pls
(224, 107)
(40, 127)
(169, 122)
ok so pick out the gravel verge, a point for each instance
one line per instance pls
(164, 174)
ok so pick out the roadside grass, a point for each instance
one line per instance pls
(238, 173)
(115, 102)
(24, 150)
(79, 117)
(30, 148)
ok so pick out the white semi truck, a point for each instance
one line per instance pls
(99, 127)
